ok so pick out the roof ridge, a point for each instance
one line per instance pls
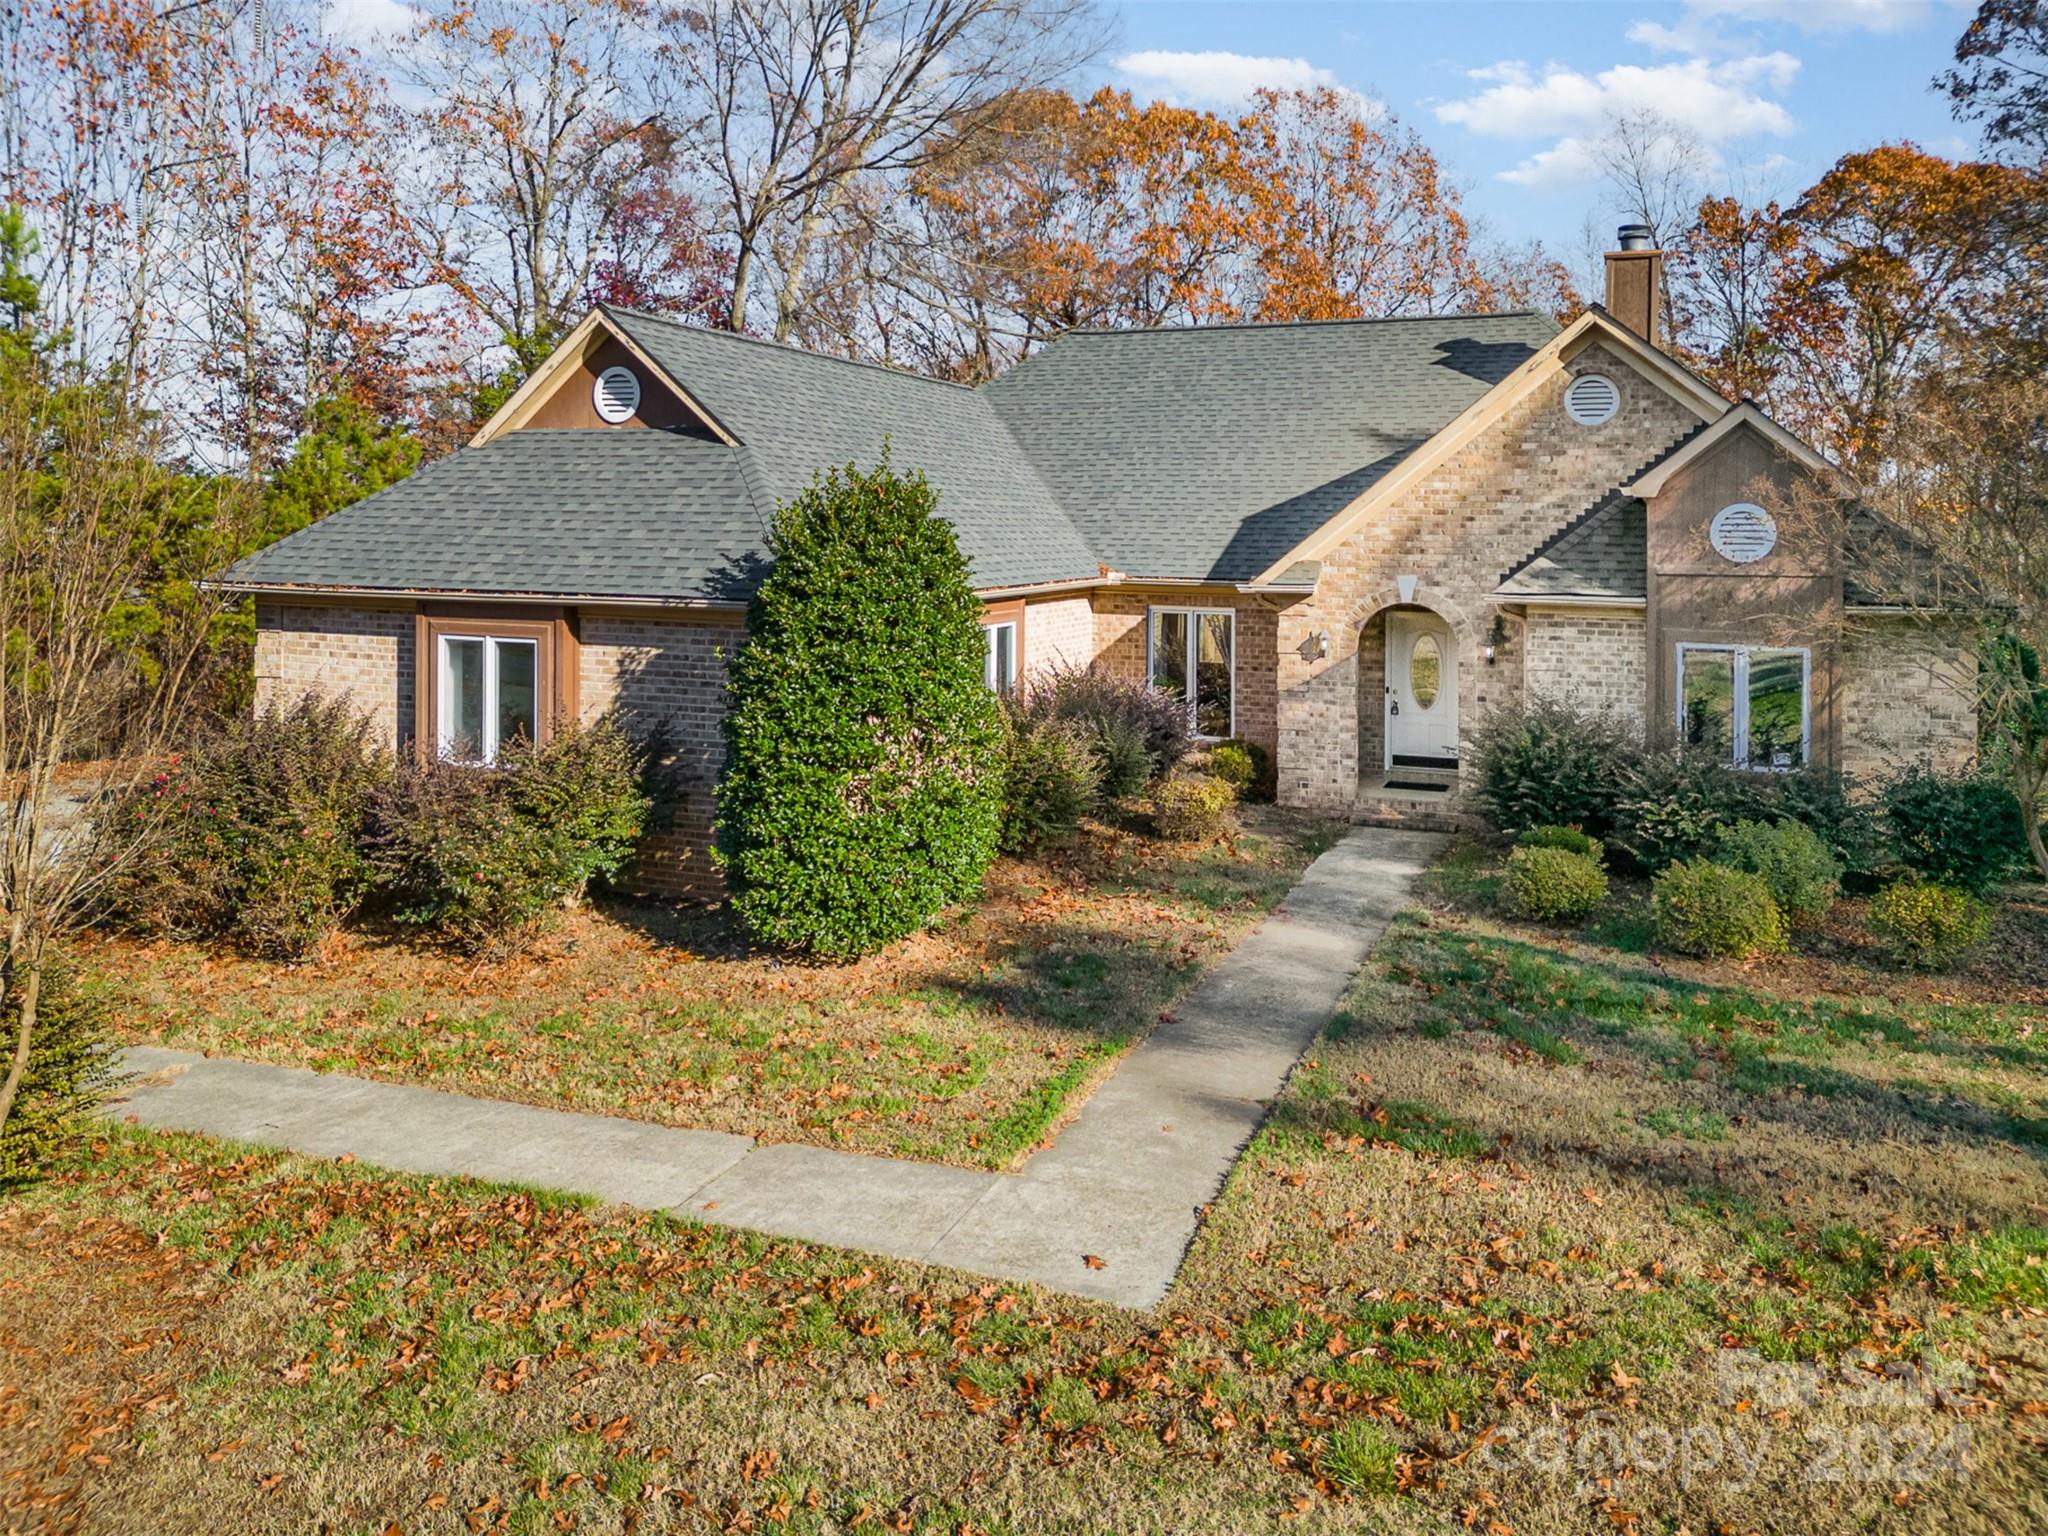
(1277, 325)
(789, 348)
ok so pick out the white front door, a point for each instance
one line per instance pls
(1422, 691)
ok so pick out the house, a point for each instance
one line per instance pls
(1345, 541)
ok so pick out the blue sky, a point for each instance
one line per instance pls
(1507, 94)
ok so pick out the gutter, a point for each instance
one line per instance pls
(1566, 600)
(457, 594)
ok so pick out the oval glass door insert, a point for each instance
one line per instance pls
(1425, 672)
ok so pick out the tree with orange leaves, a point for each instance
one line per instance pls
(1888, 254)
(1348, 212)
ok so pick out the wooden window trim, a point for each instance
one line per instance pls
(1010, 612)
(557, 666)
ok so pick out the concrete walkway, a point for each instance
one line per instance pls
(1125, 1181)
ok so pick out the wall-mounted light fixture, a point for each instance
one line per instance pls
(1495, 638)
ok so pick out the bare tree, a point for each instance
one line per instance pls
(528, 127)
(794, 101)
(1945, 536)
(81, 480)
(1656, 173)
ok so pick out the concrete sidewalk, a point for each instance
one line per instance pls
(1124, 1181)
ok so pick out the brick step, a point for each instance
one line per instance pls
(1415, 816)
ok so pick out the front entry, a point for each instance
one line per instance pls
(1422, 691)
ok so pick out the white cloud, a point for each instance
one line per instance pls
(1820, 15)
(362, 21)
(1726, 100)
(1219, 79)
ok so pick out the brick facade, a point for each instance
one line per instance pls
(1456, 534)
(363, 654)
(667, 677)
(1908, 699)
(1059, 632)
(1594, 659)
(1120, 617)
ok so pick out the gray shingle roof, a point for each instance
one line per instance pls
(797, 413)
(1600, 553)
(1206, 452)
(1212, 451)
(562, 511)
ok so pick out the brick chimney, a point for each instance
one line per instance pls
(1635, 282)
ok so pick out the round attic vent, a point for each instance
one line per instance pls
(616, 395)
(1743, 532)
(1591, 399)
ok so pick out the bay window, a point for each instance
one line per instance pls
(1748, 703)
(488, 692)
(1192, 653)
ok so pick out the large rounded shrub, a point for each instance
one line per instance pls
(863, 783)
(1929, 927)
(1709, 909)
(1554, 884)
(1956, 829)
(1791, 859)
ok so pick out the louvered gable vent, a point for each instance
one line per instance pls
(616, 395)
(1592, 399)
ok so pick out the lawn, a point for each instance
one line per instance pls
(964, 1045)
(1544, 1236)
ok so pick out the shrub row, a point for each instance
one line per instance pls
(283, 824)
(1548, 764)
(1078, 738)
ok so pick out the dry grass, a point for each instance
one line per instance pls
(1519, 1250)
(964, 1044)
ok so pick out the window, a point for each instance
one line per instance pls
(1745, 703)
(1193, 653)
(999, 668)
(489, 695)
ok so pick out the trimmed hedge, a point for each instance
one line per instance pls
(1187, 806)
(863, 784)
(1791, 859)
(1570, 839)
(1926, 926)
(1707, 909)
(1232, 764)
(1551, 884)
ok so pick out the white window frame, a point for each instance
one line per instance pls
(444, 692)
(997, 685)
(1740, 668)
(1194, 614)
